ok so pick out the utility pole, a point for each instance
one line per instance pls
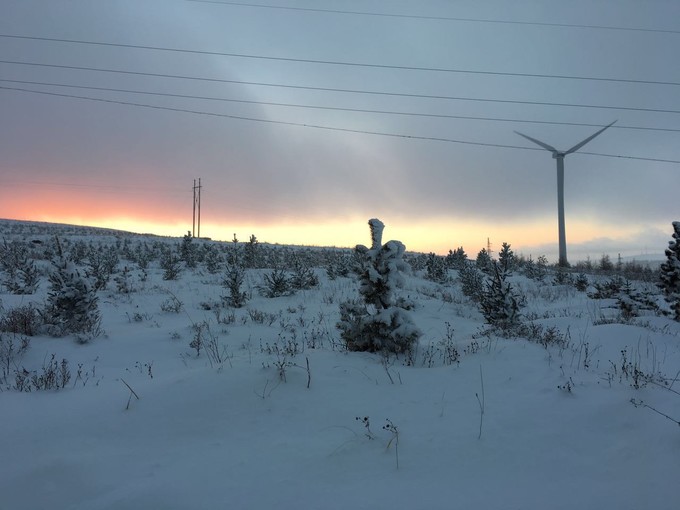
(197, 208)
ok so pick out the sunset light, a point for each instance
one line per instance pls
(108, 122)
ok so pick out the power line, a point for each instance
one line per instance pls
(335, 108)
(342, 63)
(439, 18)
(341, 90)
(328, 128)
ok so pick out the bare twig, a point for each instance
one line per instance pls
(640, 403)
(266, 393)
(392, 428)
(132, 392)
(481, 402)
(674, 380)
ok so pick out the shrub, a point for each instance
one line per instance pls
(251, 256)
(72, 304)
(608, 289)
(188, 252)
(379, 323)
(436, 269)
(500, 303)
(483, 260)
(22, 320)
(669, 273)
(581, 282)
(20, 273)
(172, 304)
(171, 264)
(101, 264)
(124, 281)
(275, 284)
(303, 276)
(472, 282)
(10, 355)
(338, 264)
(456, 259)
(506, 259)
(212, 259)
(54, 375)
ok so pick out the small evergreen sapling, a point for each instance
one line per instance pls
(506, 259)
(500, 303)
(483, 261)
(20, 273)
(436, 269)
(188, 251)
(472, 281)
(72, 304)
(456, 259)
(379, 323)
(233, 279)
(669, 274)
(170, 263)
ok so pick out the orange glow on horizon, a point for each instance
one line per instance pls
(434, 235)
(162, 217)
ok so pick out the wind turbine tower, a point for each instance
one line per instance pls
(559, 157)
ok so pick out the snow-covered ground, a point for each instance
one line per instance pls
(281, 421)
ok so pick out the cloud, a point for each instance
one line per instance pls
(107, 160)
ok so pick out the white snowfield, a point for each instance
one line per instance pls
(288, 419)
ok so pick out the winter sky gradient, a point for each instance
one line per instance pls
(73, 160)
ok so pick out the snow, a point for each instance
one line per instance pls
(234, 435)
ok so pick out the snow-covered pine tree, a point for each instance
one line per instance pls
(436, 268)
(20, 274)
(506, 259)
(251, 258)
(669, 274)
(72, 305)
(500, 303)
(483, 261)
(471, 281)
(379, 323)
(234, 276)
(457, 258)
(170, 262)
(188, 251)
(212, 258)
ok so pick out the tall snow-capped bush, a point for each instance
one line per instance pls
(499, 302)
(233, 279)
(20, 276)
(378, 323)
(669, 273)
(72, 304)
(506, 259)
(456, 259)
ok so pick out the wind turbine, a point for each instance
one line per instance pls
(559, 156)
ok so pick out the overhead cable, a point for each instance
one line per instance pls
(323, 127)
(332, 108)
(341, 90)
(340, 62)
(439, 18)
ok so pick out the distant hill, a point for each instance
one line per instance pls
(39, 229)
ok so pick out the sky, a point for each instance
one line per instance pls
(314, 175)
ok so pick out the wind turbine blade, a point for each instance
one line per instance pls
(581, 144)
(538, 142)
